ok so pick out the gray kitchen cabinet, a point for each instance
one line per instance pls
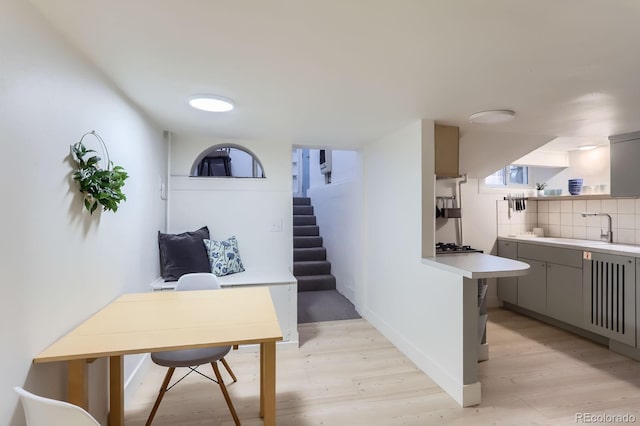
(609, 294)
(553, 286)
(564, 293)
(624, 153)
(532, 288)
(508, 286)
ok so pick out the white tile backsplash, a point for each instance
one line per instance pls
(579, 206)
(626, 221)
(610, 206)
(626, 206)
(561, 218)
(554, 231)
(594, 206)
(580, 232)
(625, 236)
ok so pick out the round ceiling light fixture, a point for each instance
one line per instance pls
(587, 147)
(492, 116)
(211, 103)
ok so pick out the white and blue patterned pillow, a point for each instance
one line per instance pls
(224, 256)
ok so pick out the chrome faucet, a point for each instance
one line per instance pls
(609, 234)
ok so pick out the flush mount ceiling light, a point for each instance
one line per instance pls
(211, 103)
(587, 147)
(492, 117)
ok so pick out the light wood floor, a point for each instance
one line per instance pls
(346, 373)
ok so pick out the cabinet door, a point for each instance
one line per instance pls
(609, 293)
(508, 286)
(446, 150)
(532, 288)
(564, 293)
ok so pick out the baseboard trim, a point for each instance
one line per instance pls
(133, 382)
(465, 395)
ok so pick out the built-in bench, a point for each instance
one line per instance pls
(284, 292)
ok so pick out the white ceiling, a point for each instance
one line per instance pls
(339, 73)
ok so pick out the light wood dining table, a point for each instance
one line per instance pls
(158, 321)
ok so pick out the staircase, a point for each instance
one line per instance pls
(310, 265)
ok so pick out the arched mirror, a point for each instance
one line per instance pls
(227, 160)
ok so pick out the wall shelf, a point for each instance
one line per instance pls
(576, 197)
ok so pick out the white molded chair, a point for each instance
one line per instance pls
(40, 411)
(192, 358)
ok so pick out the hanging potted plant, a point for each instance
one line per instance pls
(98, 185)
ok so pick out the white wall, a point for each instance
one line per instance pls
(344, 167)
(60, 265)
(417, 307)
(257, 211)
(592, 166)
(339, 213)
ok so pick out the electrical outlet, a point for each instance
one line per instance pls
(276, 226)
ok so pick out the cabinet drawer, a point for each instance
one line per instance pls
(508, 249)
(559, 256)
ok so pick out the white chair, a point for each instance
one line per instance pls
(40, 411)
(193, 358)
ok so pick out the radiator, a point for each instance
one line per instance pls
(609, 291)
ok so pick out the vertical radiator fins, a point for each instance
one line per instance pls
(607, 295)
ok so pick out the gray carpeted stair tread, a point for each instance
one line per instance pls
(303, 210)
(306, 231)
(311, 267)
(301, 201)
(316, 282)
(324, 305)
(303, 219)
(311, 253)
(305, 242)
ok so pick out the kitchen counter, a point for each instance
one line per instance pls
(597, 246)
(478, 265)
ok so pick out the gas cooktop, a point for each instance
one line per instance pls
(453, 248)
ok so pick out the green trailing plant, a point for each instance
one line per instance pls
(99, 186)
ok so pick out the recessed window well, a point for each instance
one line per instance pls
(227, 160)
(211, 103)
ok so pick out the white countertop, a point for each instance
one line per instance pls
(478, 265)
(597, 246)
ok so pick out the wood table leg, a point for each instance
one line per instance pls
(268, 383)
(78, 383)
(116, 390)
(261, 380)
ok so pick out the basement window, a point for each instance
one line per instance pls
(509, 176)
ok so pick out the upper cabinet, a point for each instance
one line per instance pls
(447, 151)
(625, 173)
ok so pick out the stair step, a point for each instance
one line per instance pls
(303, 242)
(311, 267)
(312, 253)
(301, 201)
(316, 282)
(299, 220)
(303, 210)
(306, 231)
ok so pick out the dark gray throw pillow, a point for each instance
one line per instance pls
(183, 253)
